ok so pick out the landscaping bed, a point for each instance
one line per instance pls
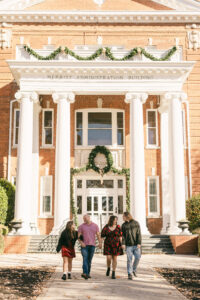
(23, 283)
(185, 280)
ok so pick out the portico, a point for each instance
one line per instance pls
(135, 80)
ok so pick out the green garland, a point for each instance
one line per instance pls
(100, 51)
(109, 168)
(93, 154)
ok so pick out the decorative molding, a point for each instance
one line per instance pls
(133, 96)
(32, 96)
(5, 35)
(69, 97)
(181, 96)
(194, 37)
(124, 17)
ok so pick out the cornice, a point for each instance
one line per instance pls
(125, 17)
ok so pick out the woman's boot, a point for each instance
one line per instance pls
(108, 271)
(113, 275)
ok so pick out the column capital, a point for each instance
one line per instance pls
(133, 96)
(69, 97)
(181, 96)
(32, 96)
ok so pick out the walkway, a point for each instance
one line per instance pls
(148, 285)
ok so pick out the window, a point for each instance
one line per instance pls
(120, 204)
(108, 184)
(46, 195)
(79, 184)
(153, 195)
(99, 129)
(79, 128)
(79, 205)
(152, 135)
(120, 129)
(16, 127)
(47, 132)
(120, 184)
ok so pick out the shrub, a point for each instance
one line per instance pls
(3, 205)
(193, 212)
(10, 191)
(3, 231)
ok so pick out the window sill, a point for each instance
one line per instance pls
(14, 146)
(152, 147)
(47, 147)
(154, 217)
(45, 217)
(91, 147)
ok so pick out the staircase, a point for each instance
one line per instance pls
(153, 244)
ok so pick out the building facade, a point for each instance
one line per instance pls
(118, 74)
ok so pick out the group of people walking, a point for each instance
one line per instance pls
(116, 240)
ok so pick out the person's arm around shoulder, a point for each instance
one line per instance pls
(79, 237)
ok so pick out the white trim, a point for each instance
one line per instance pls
(113, 112)
(149, 146)
(14, 128)
(113, 17)
(184, 129)
(45, 146)
(13, 180)
(155, 214)
(10, 138)
(46, 215)
(186, 188)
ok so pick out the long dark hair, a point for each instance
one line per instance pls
(69, 230)
(111, 220)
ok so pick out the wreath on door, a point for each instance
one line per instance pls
(91, 160)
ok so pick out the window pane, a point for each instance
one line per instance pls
(79, 137)
(151, 119)
(110, 203)
(99, 137)
(104, 204)
(79, 205)
(120, 184)
(99, 120)
(89, 203)
(120, 204)
(152, 189)
(17, 118)
(108, 184)
(79, 184)
(48, 119)
(153, 204)
(46, 204)
(79, 120)
(120, 136)
(95, 203)
(16, 135)
(120, 120)
(48, 136)
(93, 183)
(152, 136)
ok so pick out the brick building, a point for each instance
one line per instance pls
(55, 111)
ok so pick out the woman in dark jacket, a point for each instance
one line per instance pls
(112, 244)
(67, 242)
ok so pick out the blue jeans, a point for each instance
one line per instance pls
(87, 253)
(130, 251)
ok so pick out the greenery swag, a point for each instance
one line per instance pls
(108, 168)
(106, 51)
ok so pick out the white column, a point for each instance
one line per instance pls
(137, 163)
(176, 160)
(35, 161)
(62, 168)
(24, 162)
(164, 141)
